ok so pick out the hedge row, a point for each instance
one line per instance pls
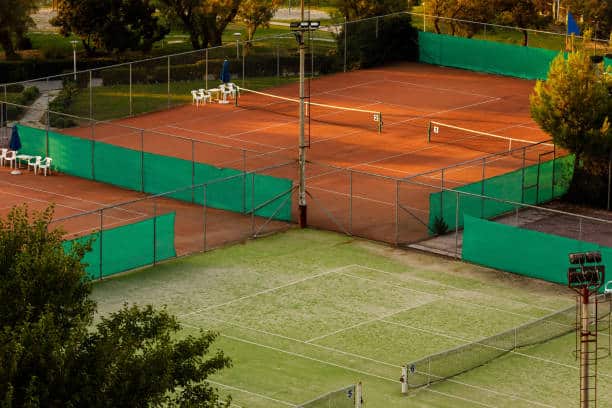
(255, 66)
(25, 98)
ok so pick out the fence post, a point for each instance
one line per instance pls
(100, 238)
(93, 149)
(204, 205)
(47, 130)
(376, 27)
(90, 95)
(580, 229)
(457, 225)
(244, 181)
(142, 160)
(523, 178)
(252, 204)
(277, 61)
(131, 103)
(397, 194)
(345, 41)
(351, 202)
(482, 187)
(192, 170)
(359, 395)
(609, 181)
(243, 62)
(442, 195)
(206, 69)
(168, 82)
(154, 232)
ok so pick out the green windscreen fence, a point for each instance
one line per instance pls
(534, 184)
(485, 56)
(267, 196)
(129, 246)
(525, 252)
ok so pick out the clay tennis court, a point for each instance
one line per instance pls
(262, 132)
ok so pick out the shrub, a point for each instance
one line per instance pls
(26, 97)
(440, 226)
(394, 40)
(62, 104)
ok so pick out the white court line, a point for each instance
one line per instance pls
(468, 341)
(449, 297)
(548, 309)
(289, 404)
(230, 137)
(361, 371)
(307, 278)
(441, 89)
(67, 196)
(105, 225)
(375, 319)
(482, 404)
(280, 336)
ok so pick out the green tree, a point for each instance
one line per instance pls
(14, 23)
(358, 9)
(52, 356)
(523, 14)
(574, 106)
(113, 25)
(204, 20)
(257, 13)
(596, 15)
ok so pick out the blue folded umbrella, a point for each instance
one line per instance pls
(15, 142)
(225, 74)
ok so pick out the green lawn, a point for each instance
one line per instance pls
(112, 102)
(306, 312)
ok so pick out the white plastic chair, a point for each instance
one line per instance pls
(45, 165)
(608, 287)
(3, 153)
(11, 158)
(33, 163)
(207, 96)
(197, 97)
(225, 92)
(232, 88)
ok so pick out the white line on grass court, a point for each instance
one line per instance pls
(468, 341)
(230, 387)
(375, 319)
(332, 349)
(449, 297)
(365, 372)
(482, 404)
(548, 309)
(292, 283)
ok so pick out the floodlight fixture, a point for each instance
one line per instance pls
(585, 257)
(306, 25)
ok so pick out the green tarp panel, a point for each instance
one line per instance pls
(71, 155)
(525, 252)
(533, 185)
(124, 168)
(129, 246)
(485, 56)
(235, 194)
(32, 140)
(164, 173)
(608, 62)
(118, 166)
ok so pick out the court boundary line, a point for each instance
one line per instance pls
(265, 291)
(231, 387)
(448, 297)
(548, 309)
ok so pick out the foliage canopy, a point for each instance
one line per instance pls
(51, 355)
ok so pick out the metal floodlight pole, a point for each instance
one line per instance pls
(74, 43)
(303, 218)
(237, 36)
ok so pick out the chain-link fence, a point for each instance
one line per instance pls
(449, 363)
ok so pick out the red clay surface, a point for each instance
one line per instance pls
(408, 95)
(78, 202)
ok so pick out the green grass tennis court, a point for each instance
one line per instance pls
(306, 312)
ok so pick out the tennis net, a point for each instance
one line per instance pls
(316, 112)
(438, 132)
(449, 363)
(342, 398)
